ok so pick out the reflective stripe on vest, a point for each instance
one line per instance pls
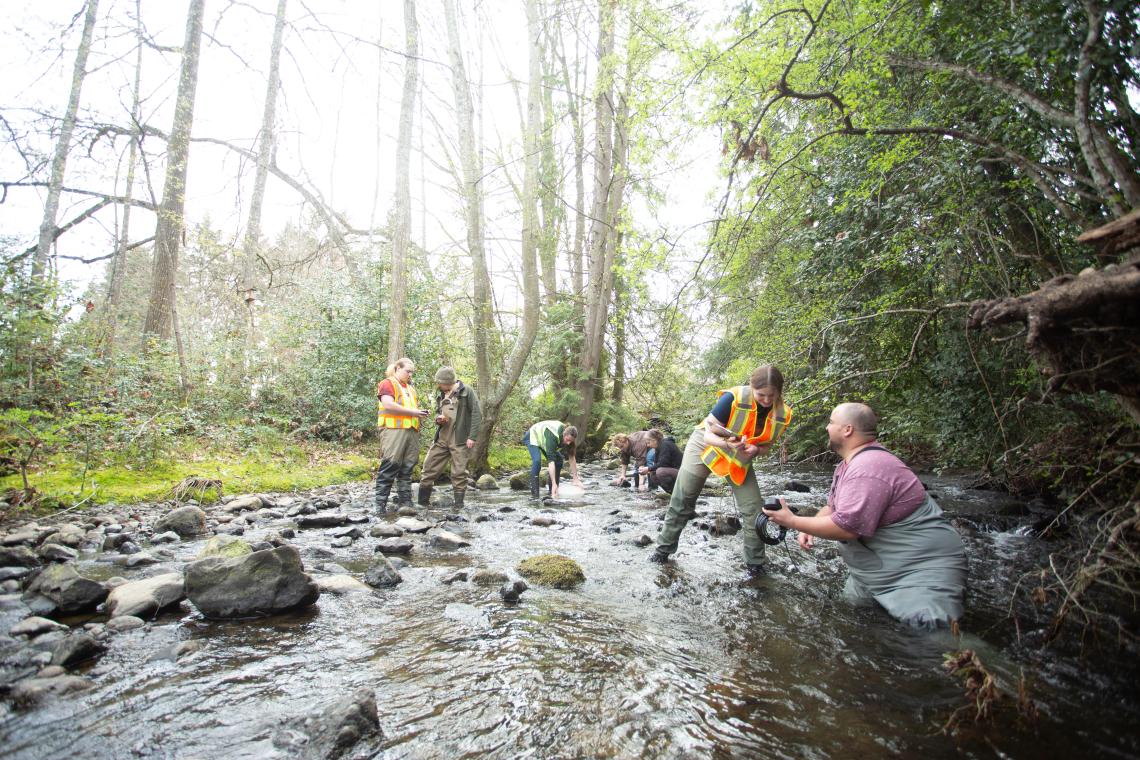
(405, 396)
(742, 422)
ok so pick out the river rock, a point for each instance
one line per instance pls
(129, 547)
(520, 481)
(511, 591)
(57, 553)
(77, 648)
(334, 731)
(725, 525)
(32, 691)
(468, 614)
(459, 576)
(340, 584)
(28, 536)
(70, 536)
(10, 573)
(385, 530)
(351, 531)
(382, 573)
(542, 521)
(141, 559)
(243, 504)
(407, 511)
(487, 482)
(145, 598)
(643, 540)
(262, 583)
(226, 547)
(18, 556)
(341, 543)
(327, 520)
(125, 623)
(395, 546)
(34, 626)
(412, 525)
(487, 577)
(169, 537)
(187, 522)
(66, 591)
(445, 539)
(797, 486)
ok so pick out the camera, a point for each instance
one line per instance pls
(773, 504)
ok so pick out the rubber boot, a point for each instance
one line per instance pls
(384, 478)
(534, 486)
(404, 485)
(459, 499)
(424, 497)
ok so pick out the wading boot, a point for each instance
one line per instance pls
(756, 571)
(459, 499)
(384, 478)
(659, 557)
(404, 485)
(534, 486)
(424, 496)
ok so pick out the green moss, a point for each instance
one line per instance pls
(552, 570)
(289, 468)
(226, 547)
(508, 458)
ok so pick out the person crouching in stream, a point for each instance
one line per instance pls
(635, 447)
(399, 423)
(899, 549)
(458, 417)
(745, 421)
(547, 439)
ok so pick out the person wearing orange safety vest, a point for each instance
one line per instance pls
(744, 423)
(399, 422)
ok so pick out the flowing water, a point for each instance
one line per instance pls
(689, 660)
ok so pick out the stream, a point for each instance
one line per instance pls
(640, 661)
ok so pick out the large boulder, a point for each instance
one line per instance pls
(187, 522)
(34, 690)
(552, 570)
(143, 599)
(262, 583)
(18, 556)
(487, 482)
(76, 648)
(60, 589)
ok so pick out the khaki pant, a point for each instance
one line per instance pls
(440, 453)
(691, 479)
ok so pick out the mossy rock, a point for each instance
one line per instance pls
(552, 570)
(226, 547)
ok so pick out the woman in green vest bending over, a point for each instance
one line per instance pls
(744, 423)
(547, 439)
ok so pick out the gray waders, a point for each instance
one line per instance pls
(691, 479)
(915, 568)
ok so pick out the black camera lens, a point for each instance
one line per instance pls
(773, 504)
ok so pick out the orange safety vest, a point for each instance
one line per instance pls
(742, 422)
(405, 396)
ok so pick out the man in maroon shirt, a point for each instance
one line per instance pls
(899, 549)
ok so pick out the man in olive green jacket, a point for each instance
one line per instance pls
(458, 417)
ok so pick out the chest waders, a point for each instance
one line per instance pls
(915, 568)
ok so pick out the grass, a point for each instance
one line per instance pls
(62, 481)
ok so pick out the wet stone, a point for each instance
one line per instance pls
(395, 546)
(349, 531)
(169, 537)
(445, 539)
(18, 556)
(510, 591)
(12, 573)
(459, 576)
(542, 521)
(385, 530)
(125, 623)
(34, 626)
(342, 542)
(411, 525)
(57, 553)
(643, 540)
(333, 520)
(487, 577)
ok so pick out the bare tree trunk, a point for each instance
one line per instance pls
(63, 145)
(620, 313)
(601, 265)
(171, 221)
(251, 242)
(472, 193)
(520, 352)
(550, 191)
(119, 261)
(402, 216)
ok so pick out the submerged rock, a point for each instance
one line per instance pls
(445, 539)
(225, 547)
(553, 570)
(262, 583)
(340, 584)
(75, 649)
(334, 730)
(487, 577)
(32, 691)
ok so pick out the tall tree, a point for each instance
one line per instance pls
(63, 146)
(402, 209)
(171, 213)
(267, 143)
(531, 237)
(119, 260)
(471, 191)
(600, 288)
